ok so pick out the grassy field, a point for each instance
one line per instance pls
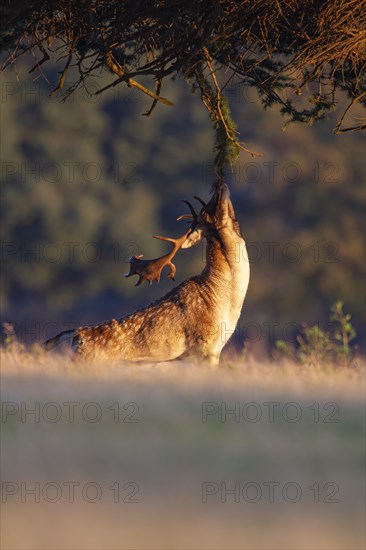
(256, 455)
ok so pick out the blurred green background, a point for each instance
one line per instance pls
(86, 182)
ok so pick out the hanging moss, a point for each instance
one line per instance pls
(226, 146)
(226, 150)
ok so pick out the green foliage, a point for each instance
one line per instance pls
(344, 332)
(226, 147)
(274, 46)
(226, 150)
(10, 341)
(322, 106)
(317, 346)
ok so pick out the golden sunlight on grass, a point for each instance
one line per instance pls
(252, 455)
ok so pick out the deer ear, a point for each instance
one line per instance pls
(193, 238)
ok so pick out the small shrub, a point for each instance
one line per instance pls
(315, 345)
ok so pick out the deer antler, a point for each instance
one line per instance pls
(200, 200)
(148, 270)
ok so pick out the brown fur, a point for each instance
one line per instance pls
(197, 316)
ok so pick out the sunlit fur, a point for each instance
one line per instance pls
(195, 318)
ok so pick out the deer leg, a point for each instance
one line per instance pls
(207, 359)
(212, 360)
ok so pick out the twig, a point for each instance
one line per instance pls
(229, 136)
(352, 129)
(337, 129)
(118, 70)
(61, 82)
(155, 102)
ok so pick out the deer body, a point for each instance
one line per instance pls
(197, 316)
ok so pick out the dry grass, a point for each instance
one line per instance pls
(170, 453)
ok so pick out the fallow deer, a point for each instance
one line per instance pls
(197, 316)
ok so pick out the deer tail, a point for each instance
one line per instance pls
(52, 343)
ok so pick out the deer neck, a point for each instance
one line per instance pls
(226, 278)
(226, 263)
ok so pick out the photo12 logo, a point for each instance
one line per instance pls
(271, 492)
(69, 172)
(70, 412)
(70, 492)
(269, 411)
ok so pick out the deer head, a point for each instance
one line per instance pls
(218, 214)
(215, 218)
